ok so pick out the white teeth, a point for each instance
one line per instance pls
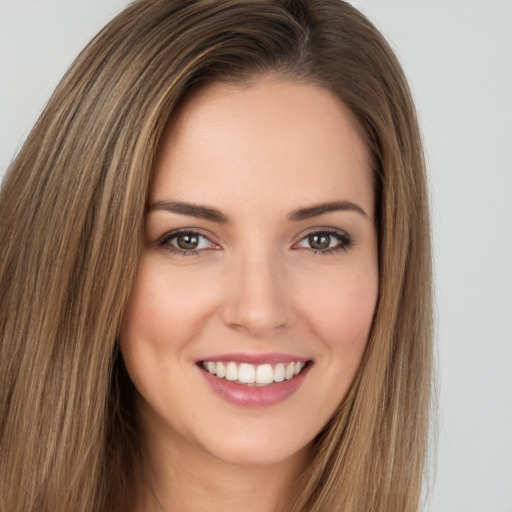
(260, 375)
(231, 371)
(264, 374)
(247, 373)
(221, 370)
(279, 372)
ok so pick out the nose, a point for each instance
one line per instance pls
(258, 299)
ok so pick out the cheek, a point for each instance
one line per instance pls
(340, 312)
(163, 309)
(164, 313)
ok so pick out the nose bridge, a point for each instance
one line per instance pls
(257, 300)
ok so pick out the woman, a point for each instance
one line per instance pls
(215, 280)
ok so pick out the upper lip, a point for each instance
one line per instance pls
(256, 359)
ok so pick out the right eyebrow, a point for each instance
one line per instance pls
(192, 210)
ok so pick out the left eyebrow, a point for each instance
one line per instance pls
(320, 209)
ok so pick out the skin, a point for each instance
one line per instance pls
(255, 285)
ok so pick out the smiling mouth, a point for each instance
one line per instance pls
(254, 375)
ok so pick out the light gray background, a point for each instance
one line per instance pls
(458, 57)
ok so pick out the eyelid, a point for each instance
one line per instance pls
(163, 241)
(345, 238)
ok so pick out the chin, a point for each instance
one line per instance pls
(255, 447)
(248, 453)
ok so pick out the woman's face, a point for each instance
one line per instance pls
(260, 261)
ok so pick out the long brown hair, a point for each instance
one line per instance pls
(72, 209)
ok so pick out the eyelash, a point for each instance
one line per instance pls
(165, 241)
(345, 241)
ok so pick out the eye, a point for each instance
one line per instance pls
(325, 241)
(186, 242)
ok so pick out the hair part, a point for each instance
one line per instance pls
(72, 211)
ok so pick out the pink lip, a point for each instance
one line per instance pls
(270, 358)
(254, 396)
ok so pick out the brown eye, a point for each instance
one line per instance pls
(325, 242)
(187, 241)
(319, 241)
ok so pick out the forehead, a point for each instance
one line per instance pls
(273, 142)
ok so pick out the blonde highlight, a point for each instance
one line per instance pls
(72, 210)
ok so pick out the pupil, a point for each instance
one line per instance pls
(319, 241)
(188, 241)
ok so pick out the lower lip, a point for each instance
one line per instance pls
(254, 396)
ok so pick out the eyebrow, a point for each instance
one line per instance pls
(192, 210)
(214, 215)
(320, 209)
